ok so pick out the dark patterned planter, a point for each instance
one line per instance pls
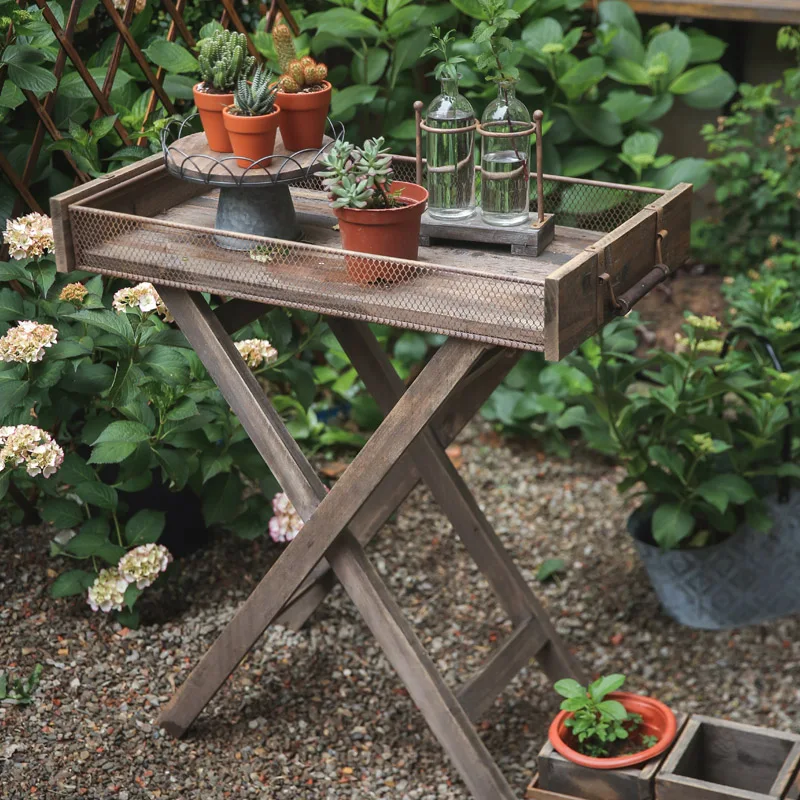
(748, 579)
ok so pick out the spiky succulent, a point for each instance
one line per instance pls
(257, 98)
(298, 73)
(359, 177)
(223, 60)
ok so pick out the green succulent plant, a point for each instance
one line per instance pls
(223, 60)
(256, 98)
(359, 177)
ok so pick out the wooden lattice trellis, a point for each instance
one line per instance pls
(65, 35)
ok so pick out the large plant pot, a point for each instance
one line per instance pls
(657, 720)
(391, 232)
(253, 138)
(210, 108)
(747, 579)
(304, 117)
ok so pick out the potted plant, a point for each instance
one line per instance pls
(252, 120)
(601, 738)
(223, 60)
(376, 214)
(704, 441)
(304, 96)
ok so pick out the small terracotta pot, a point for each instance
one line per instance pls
(252, 138)
(657, 720)
(392, 232)
(304, 117)
(210, 107)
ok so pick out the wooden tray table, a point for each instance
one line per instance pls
(143, 224)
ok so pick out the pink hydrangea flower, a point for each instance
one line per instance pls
(286, 523)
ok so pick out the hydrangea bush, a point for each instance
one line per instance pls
(100, 397)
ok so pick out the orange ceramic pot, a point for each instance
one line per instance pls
(391, 232)
(304, 117)
(657, 720)
(210, 107)
(253, 138)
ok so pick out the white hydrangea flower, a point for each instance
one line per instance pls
(137, 9)
(142, 296)
(144, 564)
(27, 342)
(286, 523)
(32, 447)
(30, 236)
(107, 593)
(256, 351)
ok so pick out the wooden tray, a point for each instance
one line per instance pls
(144, 224)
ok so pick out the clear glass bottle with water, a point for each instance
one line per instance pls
(450, 156)
(505, 159)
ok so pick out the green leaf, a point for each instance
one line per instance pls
(97, 494)
(168, 364)
(411, 347)
(221, 498)
(367, 68)
(407, 52)
(346, 99)
(567, 687)
(144, 527)
(686, 170)
(213, 464)
(661, 105)
(626, 45)
(472, 8)
(625, 71)
(613, 709)
(91, 540)
(106, 321)
(641, 143)
(540, 32)
(344, 23)
(605, 685)
(88, 379)
(549, 568)
(714, 95)
(12, 393)
(695, 78)
(11, 309)
(61, 513)
(582, 76)
(714, 495)
(619, 14)
(75, 470)
(738, 489)
(672, 523)
(597, 123)
(705, 47)
(13, 271)
(131, 595)
(627, 105)
(171, 56)
(123, 431)
(103, 126)
(75, 581)
(111, 452)
(22, 63)
(675, 45)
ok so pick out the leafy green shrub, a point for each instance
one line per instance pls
(93, 373)
(755, 165)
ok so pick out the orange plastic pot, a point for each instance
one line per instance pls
(210, 107)
(657, 720)
(391, 232)
(252, 138)
(304, 117)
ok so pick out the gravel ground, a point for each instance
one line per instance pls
(320, 714)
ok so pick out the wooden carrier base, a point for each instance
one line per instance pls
(530, 239)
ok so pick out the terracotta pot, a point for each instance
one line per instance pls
(253, 138)
(304, 117)
(392, 232)
(657, 720)
(210, 107)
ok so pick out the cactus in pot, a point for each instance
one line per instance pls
(304, 95)
(223, 59)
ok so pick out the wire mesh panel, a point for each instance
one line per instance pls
(468, 303)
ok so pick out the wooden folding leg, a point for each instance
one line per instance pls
(536, 634)
(333, 511)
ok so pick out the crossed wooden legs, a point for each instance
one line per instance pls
(334, 521)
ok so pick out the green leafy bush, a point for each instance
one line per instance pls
(755, 165)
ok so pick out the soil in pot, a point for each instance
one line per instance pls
(391, 232)
(209, 106)
(252, 138)
(305, 114)
(657, 721)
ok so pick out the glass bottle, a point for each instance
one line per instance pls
(450, 156)
(505, 160)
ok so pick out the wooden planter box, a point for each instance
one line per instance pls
(562, 778)
(715, 760)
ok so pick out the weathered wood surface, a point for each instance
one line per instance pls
(531, 239)
(715, 759)
(768, 11)
(560, 775)
(535, 792)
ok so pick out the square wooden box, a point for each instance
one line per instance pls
(714, 759)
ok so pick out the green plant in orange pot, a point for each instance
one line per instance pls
(304, 96)
(252, 120)
(223, 60)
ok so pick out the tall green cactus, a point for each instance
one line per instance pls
(223, 60)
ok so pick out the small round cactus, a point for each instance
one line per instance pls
(298, 73)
